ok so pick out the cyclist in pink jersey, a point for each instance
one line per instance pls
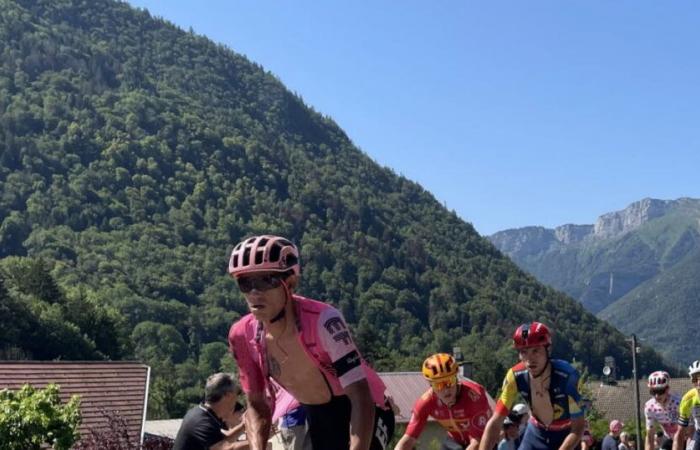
(661, 409)
(306, 347)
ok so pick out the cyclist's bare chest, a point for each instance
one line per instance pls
(290, 365)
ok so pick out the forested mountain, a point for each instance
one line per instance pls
(636, 268)
(134, 155)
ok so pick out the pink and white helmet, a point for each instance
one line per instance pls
(265, 253)
(658, 380)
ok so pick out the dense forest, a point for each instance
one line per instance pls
(133, 155)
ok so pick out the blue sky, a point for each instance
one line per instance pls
(511, 113)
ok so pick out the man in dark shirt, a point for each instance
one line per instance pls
(202, 428)
(612, 439)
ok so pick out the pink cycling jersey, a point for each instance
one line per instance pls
(666, 416)
(324, 336)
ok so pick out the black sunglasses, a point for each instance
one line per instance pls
(259, 283)
(657, 391)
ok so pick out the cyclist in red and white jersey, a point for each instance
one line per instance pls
(461, 407)
(306, 347)
(661, 409)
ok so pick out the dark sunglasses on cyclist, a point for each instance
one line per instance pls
(659, 391)
(442, 385)
(259, 283)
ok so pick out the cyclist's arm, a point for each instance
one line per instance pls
(335, 339)
(235, 445)
(574, 437)
(362, 415)
(419, 417)
(684, 413)
(258, 418)
(650, 422)
(406, 443)
(492, 431)
(649, 440)
(473, 444)
(679, 438)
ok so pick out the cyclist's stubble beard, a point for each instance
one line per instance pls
(448, 396)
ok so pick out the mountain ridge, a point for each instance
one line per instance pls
(619, 259)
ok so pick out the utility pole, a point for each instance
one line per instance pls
(636, 392)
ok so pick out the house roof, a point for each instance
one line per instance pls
(618, 401)
(164, 428)
(405, 388)
(119, 387)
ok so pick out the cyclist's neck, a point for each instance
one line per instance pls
(282, 320)
(544, 373)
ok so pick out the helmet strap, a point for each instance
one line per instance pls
(287, 295)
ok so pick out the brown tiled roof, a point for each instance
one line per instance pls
(618, 402)
(405, 388)
(119, 387)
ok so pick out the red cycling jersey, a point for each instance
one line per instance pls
(464, 420)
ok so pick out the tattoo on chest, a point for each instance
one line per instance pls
(275, 367)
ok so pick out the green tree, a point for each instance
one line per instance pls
(30, 418)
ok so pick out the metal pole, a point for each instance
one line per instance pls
(636, 392)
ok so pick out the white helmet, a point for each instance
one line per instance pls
(658, 379)
(520, 409)
(694, 368)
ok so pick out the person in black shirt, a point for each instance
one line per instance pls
(207, 425)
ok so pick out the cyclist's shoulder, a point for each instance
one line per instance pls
(650, 404)
(309, 306)
(472, 391)
(472, 386)
(564, 367)
(518, 368)
(692, 396)
(428, 399)
(244, 325)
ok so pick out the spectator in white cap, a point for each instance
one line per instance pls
(624, 441)
(510, 435)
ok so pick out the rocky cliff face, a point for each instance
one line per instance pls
(644, 257)
(630, 218)
(534, 240)
(524, 241)
(571, 234)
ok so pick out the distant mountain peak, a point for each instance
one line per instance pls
(630, 218)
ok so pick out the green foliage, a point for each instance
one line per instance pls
(134, 155)
(40, 321)
(32, 417)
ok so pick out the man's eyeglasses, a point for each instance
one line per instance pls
(259, 283)
(442, 385)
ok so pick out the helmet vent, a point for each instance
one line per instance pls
(246, 257)
(275, 252)
(259, 256)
